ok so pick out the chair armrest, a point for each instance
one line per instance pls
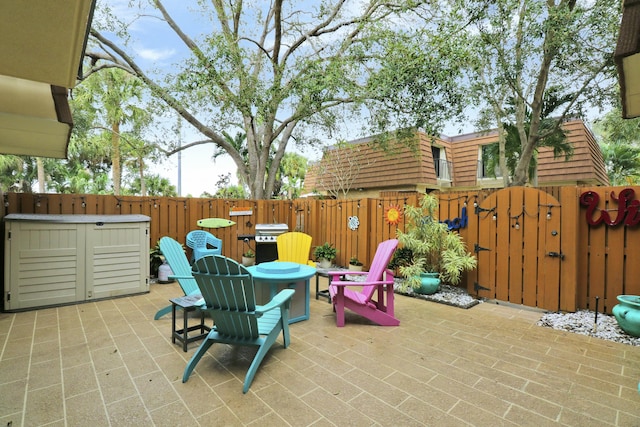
(281, 298)
(344, 283)
(178, 277)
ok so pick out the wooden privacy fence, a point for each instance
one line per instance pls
(536, 247)
(324, 220)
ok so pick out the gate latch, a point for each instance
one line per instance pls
(556, 255)
(477, 248)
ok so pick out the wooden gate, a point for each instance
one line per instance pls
(517, 244)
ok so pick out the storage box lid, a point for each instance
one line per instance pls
(77, 218)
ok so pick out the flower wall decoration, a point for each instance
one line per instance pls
(393, 214)
(354, 223)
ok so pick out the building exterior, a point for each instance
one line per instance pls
(444, 163)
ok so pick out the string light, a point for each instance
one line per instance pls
(516, 224)
(479, 210)
(549, 206)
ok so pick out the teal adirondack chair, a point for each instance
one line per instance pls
(177, 260)
(228, 291)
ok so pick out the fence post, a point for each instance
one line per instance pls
(570, 214)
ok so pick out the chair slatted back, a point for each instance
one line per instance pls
(177, 260)
(228, 290)
(379, 265)
(200, 240)
(294, 247)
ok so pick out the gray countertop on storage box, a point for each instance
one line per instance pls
(61, 218)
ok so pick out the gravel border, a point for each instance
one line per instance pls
(580, 322)
(449, 295)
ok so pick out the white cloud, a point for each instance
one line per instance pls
(156, 54)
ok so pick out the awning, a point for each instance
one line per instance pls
(35, 119)
(627, 58)
(42, 43)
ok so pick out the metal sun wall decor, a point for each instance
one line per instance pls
(627, 210)
(393, 215)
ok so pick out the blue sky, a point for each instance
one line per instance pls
(155, 46)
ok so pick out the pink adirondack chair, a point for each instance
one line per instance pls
(378, 284)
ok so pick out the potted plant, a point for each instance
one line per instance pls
(355, 264)
(156, 259)
(401, 258)
(438, 254)
(248, 258)
(324, 254)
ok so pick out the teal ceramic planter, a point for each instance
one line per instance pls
(627, 313)
(429, 284)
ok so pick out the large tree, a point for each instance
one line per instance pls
(282, 71)
(551, 59)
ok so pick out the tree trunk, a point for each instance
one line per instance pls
(41, 176)
(115, 158)
(143, 184)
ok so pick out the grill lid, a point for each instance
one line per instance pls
(271, 229)
(269, 232)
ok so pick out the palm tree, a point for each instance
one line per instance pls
(112, 95)
(556, 138)
(622, 162)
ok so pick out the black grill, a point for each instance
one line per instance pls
(266, 234)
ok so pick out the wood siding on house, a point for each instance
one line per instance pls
(465, 157)
(402, 169)
(399, 168)
(585, 167)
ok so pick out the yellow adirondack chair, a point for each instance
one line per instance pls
(294, 247)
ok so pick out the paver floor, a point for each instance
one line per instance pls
(108, 363)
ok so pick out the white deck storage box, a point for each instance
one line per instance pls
(62, 259)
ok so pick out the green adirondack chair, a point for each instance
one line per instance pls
(228, 291)
(177, 260)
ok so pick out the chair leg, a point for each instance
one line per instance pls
(257, 360)
(285, 334)
(284, 324)
(196, 358)
(162, 312)
(338, 306)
